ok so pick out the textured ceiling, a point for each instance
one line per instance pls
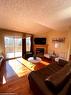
(35, 15)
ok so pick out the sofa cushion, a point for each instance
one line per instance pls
(58, 80)
(62, 62)
(69, 90)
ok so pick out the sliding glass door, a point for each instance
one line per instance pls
(13, 46)
(9, 47)
(18, 47)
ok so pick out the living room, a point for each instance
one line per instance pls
(19, 28)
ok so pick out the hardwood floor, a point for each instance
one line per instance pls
(14, 78)
(33, 66)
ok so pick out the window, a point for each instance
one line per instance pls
(13, 46)
(28, 44)
(18, 47)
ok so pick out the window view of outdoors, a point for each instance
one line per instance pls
(18, 47)
(28, 44)
(13, 47)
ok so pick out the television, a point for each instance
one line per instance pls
(41, 41)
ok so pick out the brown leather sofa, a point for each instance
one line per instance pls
(46, 81)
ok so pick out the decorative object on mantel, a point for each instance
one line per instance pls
(61, 40)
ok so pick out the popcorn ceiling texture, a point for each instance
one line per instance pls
(38, 17)
(20, 14)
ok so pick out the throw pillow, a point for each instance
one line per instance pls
(62, 62)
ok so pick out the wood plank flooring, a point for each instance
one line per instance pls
(33, 66)
(14, 78)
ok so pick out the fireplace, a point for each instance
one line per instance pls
(39, 51)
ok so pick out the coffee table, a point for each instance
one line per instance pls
(37, 60)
